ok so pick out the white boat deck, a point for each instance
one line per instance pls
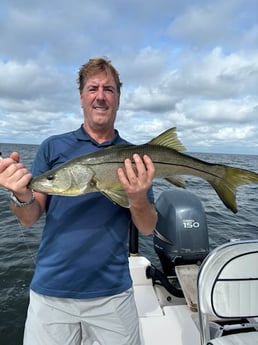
(170, 324)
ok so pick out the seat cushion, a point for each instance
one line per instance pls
(246, 338)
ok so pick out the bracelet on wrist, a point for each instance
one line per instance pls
(19, 203)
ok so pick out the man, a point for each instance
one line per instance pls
(81, 289)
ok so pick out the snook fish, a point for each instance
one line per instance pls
(97, 172)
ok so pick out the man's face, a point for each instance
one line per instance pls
(100, 101)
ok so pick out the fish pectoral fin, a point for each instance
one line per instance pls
(118, 196)
(176, 180)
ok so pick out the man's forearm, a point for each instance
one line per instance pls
(144, 217)
(29, 214)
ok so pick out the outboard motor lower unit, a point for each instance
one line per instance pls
(181, 235)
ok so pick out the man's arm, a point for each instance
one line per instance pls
(137, 185)
(29, 214)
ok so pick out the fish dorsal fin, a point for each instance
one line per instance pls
(169, 139)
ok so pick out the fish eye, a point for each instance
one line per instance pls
(50, 177)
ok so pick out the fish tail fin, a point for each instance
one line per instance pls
(226, 187)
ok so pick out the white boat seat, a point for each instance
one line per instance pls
(227, 288)
(250, 338)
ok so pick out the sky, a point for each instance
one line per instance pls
(187, 64)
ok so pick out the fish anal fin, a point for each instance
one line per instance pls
(176, 180)
(118, 196)
(168, 139)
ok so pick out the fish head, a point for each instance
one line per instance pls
(66, 180)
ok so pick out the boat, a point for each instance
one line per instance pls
(197, 296)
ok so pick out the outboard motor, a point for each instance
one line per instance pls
(181, 235)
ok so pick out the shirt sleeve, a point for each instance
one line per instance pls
(41, 162)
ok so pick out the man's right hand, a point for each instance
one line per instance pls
(15, 177)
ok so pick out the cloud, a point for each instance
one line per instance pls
(220, 23)
(187, 64)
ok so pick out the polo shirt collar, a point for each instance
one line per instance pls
(81, 134)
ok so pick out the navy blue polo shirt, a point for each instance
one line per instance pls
(84, 248)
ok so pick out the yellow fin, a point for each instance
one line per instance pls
(168, 139)
(226, 186)
(176, 180)
(118, 196)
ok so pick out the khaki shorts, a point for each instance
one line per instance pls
(99, 321)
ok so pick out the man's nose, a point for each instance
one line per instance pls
(100, 94)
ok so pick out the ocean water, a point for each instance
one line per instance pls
(18, 246)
